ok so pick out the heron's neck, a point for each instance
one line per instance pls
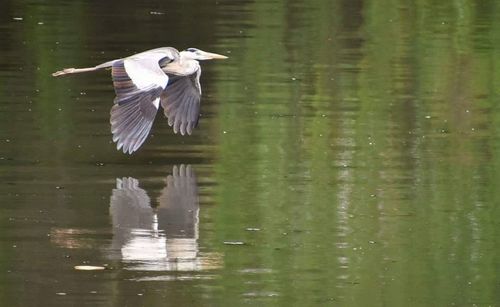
(182, 67)
(188, 66)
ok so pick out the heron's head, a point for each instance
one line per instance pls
(197, 54)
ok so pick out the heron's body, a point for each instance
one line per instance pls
(146, 80)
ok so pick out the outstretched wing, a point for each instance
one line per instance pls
(138, 81)
(181, 102)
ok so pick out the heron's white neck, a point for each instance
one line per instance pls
(183, 67)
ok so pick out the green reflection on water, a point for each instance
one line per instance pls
(369, 166)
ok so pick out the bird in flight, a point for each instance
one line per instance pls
(144, 81)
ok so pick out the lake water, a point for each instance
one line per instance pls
(348, 155)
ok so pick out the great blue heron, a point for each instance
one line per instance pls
(145, 80)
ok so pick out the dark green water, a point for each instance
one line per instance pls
(351, 146)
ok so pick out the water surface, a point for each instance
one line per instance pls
(347, 154)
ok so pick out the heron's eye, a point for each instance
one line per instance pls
(191, 49)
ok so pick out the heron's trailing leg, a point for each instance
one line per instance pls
(79, 70)
(73, 71)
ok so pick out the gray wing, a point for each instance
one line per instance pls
(181, 102)
(138, 82)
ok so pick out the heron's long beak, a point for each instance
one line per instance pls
(214, 56)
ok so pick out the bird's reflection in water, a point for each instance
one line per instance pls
(162, 237)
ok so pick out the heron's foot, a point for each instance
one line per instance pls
(64, 72)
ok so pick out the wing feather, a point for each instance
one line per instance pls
(138, 82)
(181, 102)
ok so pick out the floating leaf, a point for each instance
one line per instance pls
(89, 268)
